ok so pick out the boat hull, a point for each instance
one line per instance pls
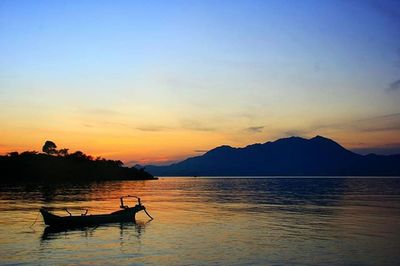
(125, 215)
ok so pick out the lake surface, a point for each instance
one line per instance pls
(211, 221)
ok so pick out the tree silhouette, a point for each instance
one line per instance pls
(78, 155)
(63, 152)
(49, 147)
(13, 154)
(61, 166)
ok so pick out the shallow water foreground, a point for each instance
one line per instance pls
(217, 221)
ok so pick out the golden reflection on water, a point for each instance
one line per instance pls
(209, 221)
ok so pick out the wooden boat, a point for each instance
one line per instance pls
(127, 214)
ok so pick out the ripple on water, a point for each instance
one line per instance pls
(211, 221)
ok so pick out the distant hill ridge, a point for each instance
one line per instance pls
(293, 156)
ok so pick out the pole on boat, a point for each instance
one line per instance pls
(128, 196)
(70, 214)
(148, 214)
(139, 203)
(122, 203)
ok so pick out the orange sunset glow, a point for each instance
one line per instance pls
(164, 144)
(152, 99)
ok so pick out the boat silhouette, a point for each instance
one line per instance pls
(127, 214)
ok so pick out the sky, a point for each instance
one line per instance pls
(159, 81)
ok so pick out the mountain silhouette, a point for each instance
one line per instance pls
(294, 156)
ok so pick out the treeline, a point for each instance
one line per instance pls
(60, 166)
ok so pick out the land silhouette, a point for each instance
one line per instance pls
(294, 156)
(61, 166)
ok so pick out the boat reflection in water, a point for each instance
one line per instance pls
(56, 232)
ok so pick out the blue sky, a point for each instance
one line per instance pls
(172, 77)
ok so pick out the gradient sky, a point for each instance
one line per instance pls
(157, 81)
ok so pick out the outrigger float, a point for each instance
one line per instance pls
(127, 214)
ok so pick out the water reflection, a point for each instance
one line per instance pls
(51, 233)
(210, 221)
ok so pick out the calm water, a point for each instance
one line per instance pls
(217, 221)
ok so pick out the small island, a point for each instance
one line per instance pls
(61, 166)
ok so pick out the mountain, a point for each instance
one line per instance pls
(294, 156)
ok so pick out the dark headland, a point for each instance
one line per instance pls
(294, 156)
(61, 166)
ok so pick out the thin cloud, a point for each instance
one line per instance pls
(298, 132)
(380, 117)
(255, 129)
(394, 86)
(196, 126)
(104, 123)
(153, 128)
(116, 124)
(375, 123)
(388, 122)
(382, 128)
(201, 151)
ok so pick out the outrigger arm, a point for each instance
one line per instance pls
(139, 203)
(129, 196)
